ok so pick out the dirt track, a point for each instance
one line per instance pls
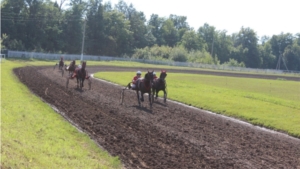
(170, 136)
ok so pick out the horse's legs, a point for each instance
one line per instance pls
(142, 96)
(89, 83)
(153, 93)
(77, 81)
(156, 93)
(165, 96)
(138, 97)
(81, 83)
(67, 82)
(150, 100)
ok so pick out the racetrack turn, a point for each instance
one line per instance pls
(168, 136)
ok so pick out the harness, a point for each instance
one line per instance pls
(147, 86)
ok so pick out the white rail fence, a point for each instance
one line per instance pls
(49, 56)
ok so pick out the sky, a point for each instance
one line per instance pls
(265, 17)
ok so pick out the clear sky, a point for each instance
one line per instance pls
(265, 17)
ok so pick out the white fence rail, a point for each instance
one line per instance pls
(49, 56)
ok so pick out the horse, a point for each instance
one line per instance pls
(160, 84)
(81, 74)
(60, 65)
(144, 86)
(71, 67)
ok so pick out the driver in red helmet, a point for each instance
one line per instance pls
(135, 78)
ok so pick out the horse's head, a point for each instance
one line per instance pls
(73, 63)
(83, 65)
(149, 76)
(61, 58)
(163, 74)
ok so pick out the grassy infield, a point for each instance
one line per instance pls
(33, 136)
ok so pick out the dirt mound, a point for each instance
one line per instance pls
(170, 136)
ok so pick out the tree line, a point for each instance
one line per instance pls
(122, 31)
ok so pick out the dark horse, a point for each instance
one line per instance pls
(71, 67)
(60, 65)
(160, 84)
(144, 86)
(81, 74)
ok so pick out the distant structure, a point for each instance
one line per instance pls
(280, 58)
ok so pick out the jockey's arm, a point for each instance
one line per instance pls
(134, 79)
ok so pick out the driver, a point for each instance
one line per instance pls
(135, 78)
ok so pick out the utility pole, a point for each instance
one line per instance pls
(280, 58)
(212, 46)
(83, 35)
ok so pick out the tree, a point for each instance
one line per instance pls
(292, 56)
(118, 37)
(180, 25)
(192, 41)
(95, 26)
(222, 46)
(268, 59)
(248, 40)
(155, 23)
(73, 28)
(137, 24)
(13, 16)
(279, 43)
(169, 33)
(52, 28)
(208, 34)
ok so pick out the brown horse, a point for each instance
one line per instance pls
(81, 74)
(144, 86)
(60, 65)
(160, 84)
(71, 67)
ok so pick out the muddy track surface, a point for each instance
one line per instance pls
(170, 136)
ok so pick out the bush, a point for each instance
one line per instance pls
(179, 54)
(234, 63)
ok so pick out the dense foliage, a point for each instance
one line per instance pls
(44, 26)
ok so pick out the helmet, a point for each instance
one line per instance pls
(138, 72)
(154, 73)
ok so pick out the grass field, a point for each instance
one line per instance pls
(270, 103)
(33, 135)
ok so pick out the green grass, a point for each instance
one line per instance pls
(270, 103)
(33, 135)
